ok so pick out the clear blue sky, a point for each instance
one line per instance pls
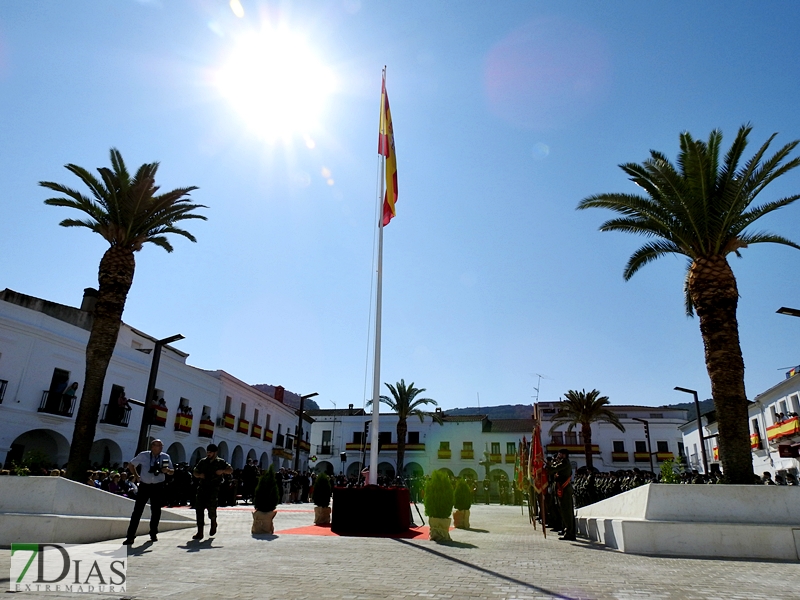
(506, 115)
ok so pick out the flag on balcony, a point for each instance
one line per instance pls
(386, 149)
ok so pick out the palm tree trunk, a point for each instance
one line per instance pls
(586, 430)
(712, 287)
(115, 279)
(402, 430)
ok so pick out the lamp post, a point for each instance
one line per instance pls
(300, 429)
(792, 312)
(646, 424)
(333, 429)
(149, 401)
(699, 426)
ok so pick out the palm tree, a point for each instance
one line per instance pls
(701, 210)
(405, 403)
(584, 408)
(127, 212)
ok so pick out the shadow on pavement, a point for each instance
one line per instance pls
(267, 537)
(141, 549)
(455, 544)
(485, 571)
(196, 546)
(477, 530)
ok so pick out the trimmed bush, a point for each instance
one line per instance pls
(267, 495)
(439, 496)
(322, 491)
(462, 498)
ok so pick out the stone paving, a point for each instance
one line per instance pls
(501, 557)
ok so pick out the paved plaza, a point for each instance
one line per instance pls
(501, 557)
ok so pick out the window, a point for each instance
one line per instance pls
(136, 345)
(681, 450)
(756, 430)
(571, 438)
(495, 447)
(782, 405)
(206, 414)
(269, 418)
(558, 438)
(641, 446)
(358, 437)
(384, 438)
(622, 415)
(511, 448)
(228, 402)
(662, 446)
(656, 415)
(444, 445)
(619, 446)
(413, 437)
(774, 413)
(255, 416)
(243, 411)
(467, 446)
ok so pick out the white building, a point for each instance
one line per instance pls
(42, 350)
(774, 431)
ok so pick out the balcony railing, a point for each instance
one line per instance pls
(444, 454)
(206, 428)
(160, 414)
(787, 428)
(304, 446)
(228, 421)
(641, 457)
(662, 456)
(115, 415)
(3, 386)
(511, 458)
(573, 448)
(279, 440)
(325, 450)
(256, 432)
(467, 455)
(244, 426)
(268, 434)
(183, 423)
(54, 404)
(496, 458)
(755, 440)
(619, 457)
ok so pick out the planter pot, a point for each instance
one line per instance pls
(461, 519)
(322, 515)
(440, 529)
(262, 522)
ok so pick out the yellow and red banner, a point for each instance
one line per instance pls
(538, 473)
(228, 420)
(386, 149)
(206, 428)
(783, 429)
(160, 416)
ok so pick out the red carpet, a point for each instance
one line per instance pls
(326, 530)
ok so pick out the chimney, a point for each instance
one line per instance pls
(279, 389)
(350, 408)
(89, 300)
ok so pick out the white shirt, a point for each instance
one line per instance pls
(147, 459)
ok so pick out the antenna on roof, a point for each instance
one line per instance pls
(479, 399)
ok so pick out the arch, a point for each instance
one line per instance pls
(469, 474)
(324, 467)
(263, 462)
(413, 469)
(51, 444)
(446, 470)
(176, 453)
(498, 475)
(105, 453)
(222, 451)
(197, 455)
(386, 469)
(354, 469)
(237, 458)
(251, 455)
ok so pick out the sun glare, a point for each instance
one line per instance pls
(277, 85)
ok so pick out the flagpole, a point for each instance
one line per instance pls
(376, 370)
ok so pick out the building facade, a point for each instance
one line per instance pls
(42, 353)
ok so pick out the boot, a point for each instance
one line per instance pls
(213, 529)
(199, 534)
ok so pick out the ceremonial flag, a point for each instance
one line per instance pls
(386, 149)
(537, 465)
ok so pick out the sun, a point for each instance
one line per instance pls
(276, 83)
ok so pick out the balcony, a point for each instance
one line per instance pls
(159, 417)
(228, 420)
(619, 457)
(784, 429)
(280, 440)
(114, 415)
(662, 456)
(415, 447)
(256, 432)
(244, 426)
(467, 455)
(755, 441)
(3, 386)
(206, 428)
(282, 453)
(356, 446)
(183, 422)
(304, 446)
(268, 434)
(511, 459)
(326, 450)
(573, 448)
(53, 403)
(641, 457)
(444, 454)
(496, 458)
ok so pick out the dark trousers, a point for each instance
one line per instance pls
(147, 491)
(203, 503)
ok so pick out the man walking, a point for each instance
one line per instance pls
(155, 465)
(209, 472)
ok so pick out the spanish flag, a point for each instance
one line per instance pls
(386, 149)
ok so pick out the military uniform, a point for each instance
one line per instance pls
(208, 490)
(560, 473)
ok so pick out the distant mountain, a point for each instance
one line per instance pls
(705, 406)
(505, 411)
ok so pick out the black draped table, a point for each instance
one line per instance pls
(370, 510)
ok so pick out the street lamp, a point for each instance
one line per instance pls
(149, 401)
(333, 431)
(646, 424)
(792, 312)
(699, 425)
(300, 429)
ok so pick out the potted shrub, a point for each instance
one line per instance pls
(462, 501)
(439, 505)
(265, 501)
(322, 500)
